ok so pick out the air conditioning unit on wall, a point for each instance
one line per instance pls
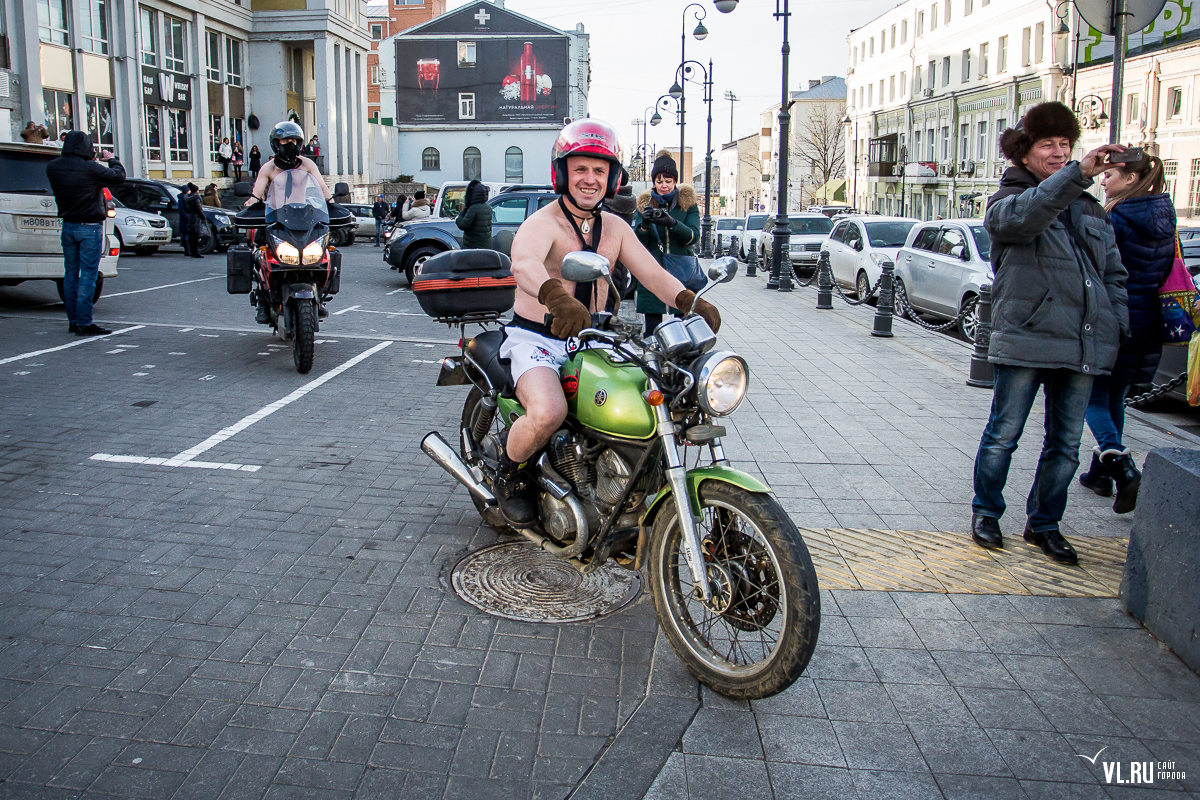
(927, 93)
(966, 168)
(946, 168)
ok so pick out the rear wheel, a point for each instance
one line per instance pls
(897, 302)
(208, 239)
(304, 336)
(58, 284)
(970, 320)
(862, 286)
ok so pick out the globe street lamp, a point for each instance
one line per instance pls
(701, 33)
(686, 70)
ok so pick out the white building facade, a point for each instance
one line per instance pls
(741, 176)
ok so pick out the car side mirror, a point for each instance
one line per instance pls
(858, 245)
(959, 252)
(582, 267)
(723, 270)
(740, 228)
(242, 189)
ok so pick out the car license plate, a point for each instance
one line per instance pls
(50, 224)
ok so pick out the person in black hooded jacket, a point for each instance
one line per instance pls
(475, 220)
(78, 182)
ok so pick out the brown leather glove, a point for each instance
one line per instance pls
(570, 315)
(687, 298)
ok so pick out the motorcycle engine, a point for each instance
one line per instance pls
(612, 473)
(567, 456)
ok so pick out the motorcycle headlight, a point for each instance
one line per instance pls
(722, 379)
(314, 250)
(286, 253)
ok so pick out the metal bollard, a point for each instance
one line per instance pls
(752, 264)
(735, 249)
(769, 266)
(785, 268)
(883, 309)
(982, 373)
(824, 283)
(717, 252)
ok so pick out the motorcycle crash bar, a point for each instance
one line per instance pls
(444, 456)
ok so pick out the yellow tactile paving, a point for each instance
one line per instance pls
(938, 561)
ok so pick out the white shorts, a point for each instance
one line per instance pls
(525, 350)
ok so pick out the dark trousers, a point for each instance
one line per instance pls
(192, 246)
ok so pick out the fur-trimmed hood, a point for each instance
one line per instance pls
(686, 199)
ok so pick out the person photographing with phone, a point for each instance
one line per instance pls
(667, 222)
(1059, 313)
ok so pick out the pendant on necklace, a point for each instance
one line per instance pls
(586, 227)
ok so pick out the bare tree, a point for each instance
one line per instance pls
(820, 148)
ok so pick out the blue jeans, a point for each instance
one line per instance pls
(83, 246)
(1106, 412)
(378, 229)
(1066, 398)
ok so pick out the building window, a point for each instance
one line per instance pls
(1194, 189)
(466, 105)
(983, 141)
(153, 137)
(916, 145)
(920, 23)
(871, 95)
(929, 134)
(892, 88)
(233, 61)
(966, 65)
(933, 17)
(215, 128)
(964, 142)
(892, 41)
(903, 31)
(377, 30)
(431, 159)
(99, 120)
(59, 108)
(983, 59)
(1039, 39)
(1001, 126)
(947, 20)
(946, 71)
(179, 134)
(472, 164)
(932, 74)
(1026, 40)
(903, 82)
(410, 2)
(882, 41)
(174, 58)
(52, 21)
(917, 81)
(1002, 55)
(93, 26)
(237, 131)
(871, 49)
(374, 74)
(466, 54)
(148, 29)
(945, 143)
(296, 71)
(1132, 107)
(1175, 102)
(1170, 172)
(514, 165)
(212, 55)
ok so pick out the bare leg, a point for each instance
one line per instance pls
(541, 394)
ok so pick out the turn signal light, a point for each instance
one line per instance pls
(654, 397)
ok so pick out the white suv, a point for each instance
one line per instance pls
(750, 237)
(30, 247)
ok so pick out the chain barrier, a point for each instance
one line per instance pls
(914, 316)
(1156, 392)
(838, 288)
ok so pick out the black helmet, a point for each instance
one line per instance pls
(285, 130)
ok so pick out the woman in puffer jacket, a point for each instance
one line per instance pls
(475, 220)
(1143, 218)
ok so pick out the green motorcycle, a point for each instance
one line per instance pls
(732, 580)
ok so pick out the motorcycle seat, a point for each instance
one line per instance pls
(484, 350)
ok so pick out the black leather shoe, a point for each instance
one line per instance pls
(322, 311)
(92, 330)
(986, 532)
(72, 328)
(515, 494)
(1053, 544)
(262, 315)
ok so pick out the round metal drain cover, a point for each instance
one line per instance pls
(519, 581)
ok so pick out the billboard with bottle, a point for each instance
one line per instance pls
(498, 80)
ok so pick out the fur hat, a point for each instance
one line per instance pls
(1043, 121)
(664, 165)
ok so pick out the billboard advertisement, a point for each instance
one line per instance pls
(1179, 21)
(501, 80)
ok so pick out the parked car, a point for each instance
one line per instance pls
(808, 233)
(831, 211)
(859, 245)
(1190, 249)
(748, 241)
(1188, 233)
(364, 224)
(413, 243)
(941, 267)
(453, 193)
(30, 228)
(140, 231)
(163, 198)
(728, 228)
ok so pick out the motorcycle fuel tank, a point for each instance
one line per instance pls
(606, 396)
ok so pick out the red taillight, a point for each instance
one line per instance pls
(114, 251)
(110, 208)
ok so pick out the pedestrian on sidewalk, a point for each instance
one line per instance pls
(475, 219)
(1143, 219)
(396, 213)
(1058, 315)
(210, 197)
(380, 212)
(255, 162)
(225, 155)
(667, 221)
(78, 183)
(238, 161)
(195, 219)
(419, 208)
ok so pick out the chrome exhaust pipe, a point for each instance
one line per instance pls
(444, 456)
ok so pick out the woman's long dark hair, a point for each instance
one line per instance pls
(1150, 179)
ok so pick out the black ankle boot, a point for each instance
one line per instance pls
(515, 493)
(1097, 478)
(262, 316)
(1125, 474)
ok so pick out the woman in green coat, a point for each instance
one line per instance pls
(676, 231)
(475, 220)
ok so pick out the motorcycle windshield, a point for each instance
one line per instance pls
(296, 200)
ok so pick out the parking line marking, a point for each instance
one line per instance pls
(390, 313)
(165, 286)
(65, 346)
(343, 311)
(186, 458)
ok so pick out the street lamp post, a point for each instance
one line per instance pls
(732, 98)
(701, 33)
(682, 74)
(854, 161)
(781, 279)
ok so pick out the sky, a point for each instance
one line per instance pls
(635, 48)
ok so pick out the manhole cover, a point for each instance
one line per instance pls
(517, 580)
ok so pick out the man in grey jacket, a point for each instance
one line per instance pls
(1058, 316)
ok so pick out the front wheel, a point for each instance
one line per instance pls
(419, 257)
(58, 284)
(759, 632)
(969, 321)
(207, 242)
(898, 300)
(304, 336)
(862, 286)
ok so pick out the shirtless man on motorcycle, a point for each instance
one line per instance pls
(586, 168)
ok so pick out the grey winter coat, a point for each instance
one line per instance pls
(1054, 306)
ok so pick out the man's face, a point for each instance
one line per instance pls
(1048, 156)
(587, 180)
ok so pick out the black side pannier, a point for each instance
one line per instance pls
(334, 283)
(239, 269)
(465, 283)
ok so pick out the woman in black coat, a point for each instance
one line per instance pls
(254, 162)
(475, 220)
(1143, 219)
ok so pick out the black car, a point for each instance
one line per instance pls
(412, 243)
(163, 198)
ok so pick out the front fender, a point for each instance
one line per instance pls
(695, 477)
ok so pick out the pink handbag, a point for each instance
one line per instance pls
(1178, 295)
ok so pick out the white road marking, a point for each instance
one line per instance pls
(177, 354)
(65, 346)
(211, 335)
(185, 330)
(208, 377)
(140, 374)
(343, 311)
(24, 372)
(419, 361)
(187, 457)
(393, 291)
(390, 313)
(164, 286)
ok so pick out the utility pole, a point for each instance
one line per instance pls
(732, 98)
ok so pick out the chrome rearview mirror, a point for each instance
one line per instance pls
(583, 267)
(723, 270)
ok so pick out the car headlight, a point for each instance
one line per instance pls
(722, 379)
(879, 258)
(314, 250)
(221, 219)
(286, 253)
(135, 221)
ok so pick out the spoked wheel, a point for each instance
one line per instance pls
(473, 410)
(898, 301)
(862, 286)
(305, 335)
(970, 320)
(758, 633)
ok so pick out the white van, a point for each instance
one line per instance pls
(453, 194)
(30, 248)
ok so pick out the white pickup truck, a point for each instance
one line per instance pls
(30, 248)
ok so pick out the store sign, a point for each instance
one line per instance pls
(161, 88)
(1177, 22)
